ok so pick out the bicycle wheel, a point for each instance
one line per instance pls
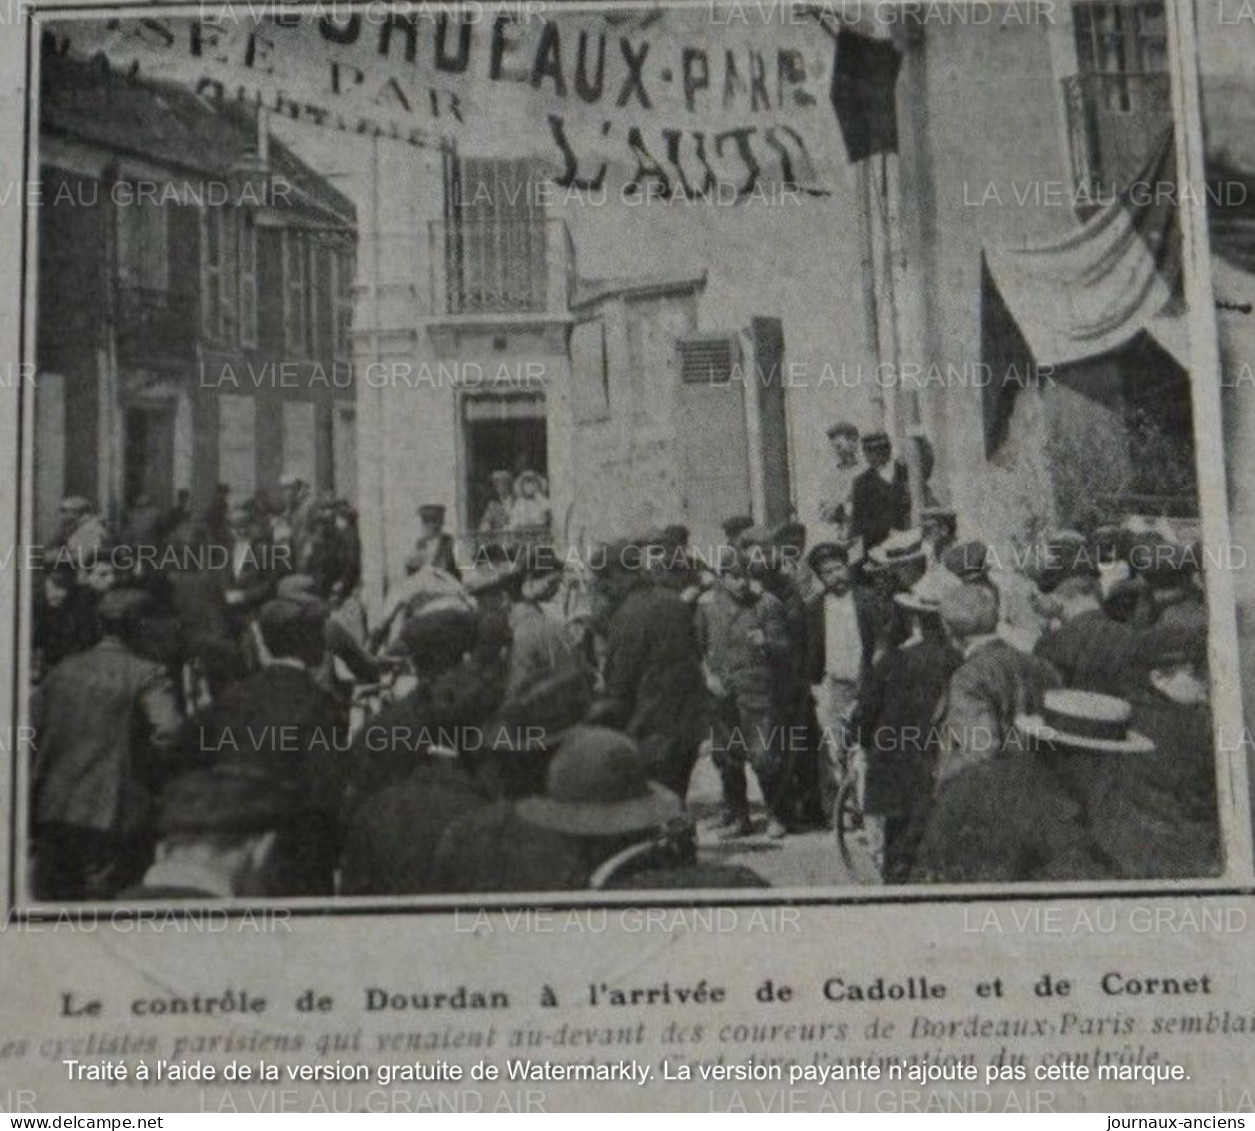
(846, 818)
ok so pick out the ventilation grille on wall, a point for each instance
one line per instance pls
(708, 359)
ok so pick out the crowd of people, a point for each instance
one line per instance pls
(216, 714)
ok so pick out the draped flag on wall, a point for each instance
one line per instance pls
(1116, 276)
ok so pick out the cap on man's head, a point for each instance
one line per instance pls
(1065, 557)
(844, 429)
(675, 534)
(827, 552)
(293, 611)
(298, 588)
(970, 610)
(75, 504)
(431, 512)
(737, 525)
(231, 799)
(1171, 645)
(877, 439)
(501, 476)
(758, 536)
(290, 479)
(438, 639)
(968, 561)
(536, 717)
(123, 606)
(791, 533)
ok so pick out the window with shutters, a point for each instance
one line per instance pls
(1118, 103)
(297, 291)
(709, 360)
(498, 262)
(590, 371)
(143, 245)
(342, 302)
(219, 259)
(248, 278)
(1122, 47)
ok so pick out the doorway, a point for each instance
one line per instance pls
(501, 432)
(148, 455)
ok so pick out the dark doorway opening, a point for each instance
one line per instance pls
(148, 456)
(503, 432)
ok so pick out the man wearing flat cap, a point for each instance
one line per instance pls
(880, 503)
(847, 466)
(653, 690)
(1090, 650)
(217, 830)
(434, 548)
(107, 727)
(1157, 817)
(282, 719)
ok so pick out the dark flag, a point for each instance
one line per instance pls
(864, 74)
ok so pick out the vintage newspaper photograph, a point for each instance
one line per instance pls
(761, 476)
(611, 449)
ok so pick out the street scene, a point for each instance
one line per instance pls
(668, 450)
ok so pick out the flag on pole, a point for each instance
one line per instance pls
(864, 78)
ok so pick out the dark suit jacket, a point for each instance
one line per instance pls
(878, 508)
(655, 690)
(895, 723)
(106, 722)
(1092, 652)
(444, 556)
(493, 849)
(391, 840)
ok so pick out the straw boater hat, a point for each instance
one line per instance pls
(501, 477)
(597, 787)
(1085, 722)
(902, 547)
(968, 561)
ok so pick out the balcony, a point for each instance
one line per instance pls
(509, 271)
(1114, 123)
(155, 325)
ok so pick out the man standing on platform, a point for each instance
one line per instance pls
(880, 504)
(434, 547)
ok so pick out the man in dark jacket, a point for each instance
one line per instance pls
(1090, 650)
(895, 725)
(391, 837)
(467, 779)
(218, 828)
(281, 718)
(998, 813)
(744, 634)
(880, 503)
(654, 689)
(1156, 818)
(106, 725)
